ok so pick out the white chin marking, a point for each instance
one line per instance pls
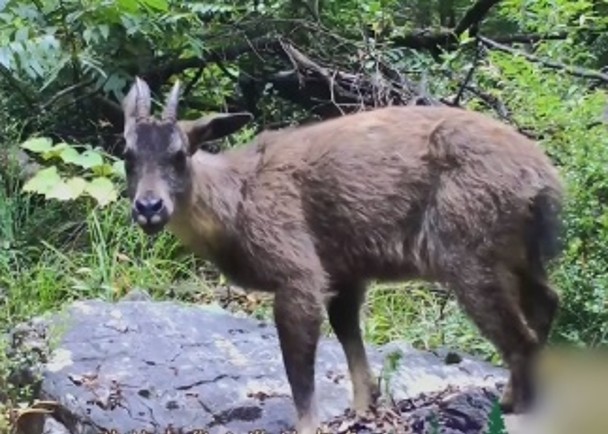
(141, 220)
(155, 219)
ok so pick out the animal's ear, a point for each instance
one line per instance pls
(213, 127)
(136, 104)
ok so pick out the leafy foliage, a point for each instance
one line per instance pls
(95, 175)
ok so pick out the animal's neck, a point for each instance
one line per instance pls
(216, 187)
(207, 215)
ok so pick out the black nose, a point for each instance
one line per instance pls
(149, 207)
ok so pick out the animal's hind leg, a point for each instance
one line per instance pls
(539, 302)
(343, 311)
(490, 296)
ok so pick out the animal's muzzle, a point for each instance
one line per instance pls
(150, 213)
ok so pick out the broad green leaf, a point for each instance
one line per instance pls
(118, 169)
(70, 155)
(61, 191)
(77, 185)
(102, 190)
(38, 144)
(55, 150)
(43, 181)
(89, 159)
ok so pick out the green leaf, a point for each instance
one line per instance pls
(103, 170)
(43, 181)
(55, 150)
(104, 29)
(222, 280)
(160, 5)
(465, 37)
(77, 185)
(87, 35)
(38, 144)
(89, 159)
(102, 190)
(70, 155)
(61, 191)
(118, 169)
(128, 5)
(496, 423)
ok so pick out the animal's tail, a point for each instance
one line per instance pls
(544, 231)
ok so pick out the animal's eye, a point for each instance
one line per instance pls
(129, 159)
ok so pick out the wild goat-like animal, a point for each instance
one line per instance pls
(313, 213)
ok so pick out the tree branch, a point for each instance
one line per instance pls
(193, 81)
(445, 38)
(523, 38)
(161, 75)
(572, 70)
(66, 91)
(475, 15)
(467, 79)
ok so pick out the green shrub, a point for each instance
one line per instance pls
(566, 115)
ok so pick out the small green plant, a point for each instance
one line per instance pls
(70, 174)
(391, 363)
(496, 422)
(434, 424)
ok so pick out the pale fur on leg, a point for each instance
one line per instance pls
(309, 422)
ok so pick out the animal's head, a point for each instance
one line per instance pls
(158, 153)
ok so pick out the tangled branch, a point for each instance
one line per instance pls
(572, 70)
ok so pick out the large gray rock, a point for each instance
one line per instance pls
(143, 365)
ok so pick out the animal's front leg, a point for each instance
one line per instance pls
(298, 316)
(343, 311)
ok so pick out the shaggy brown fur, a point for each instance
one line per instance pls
(313, 213)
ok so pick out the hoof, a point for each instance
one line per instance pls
(506, 407)
(510, 406)
(308, 425)
(368, 400)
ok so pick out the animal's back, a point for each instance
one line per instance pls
(376, 186)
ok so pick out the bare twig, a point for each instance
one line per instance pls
(66, 91)
(467, 79)
(191, 83)
(530, 38)
(572, 70)
(332, 91)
